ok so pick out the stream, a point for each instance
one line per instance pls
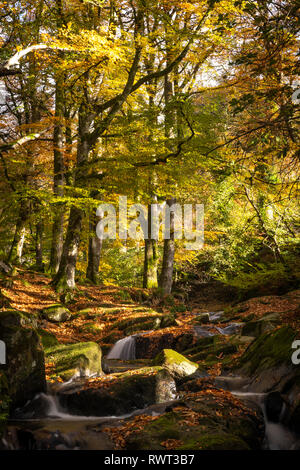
(43, 424)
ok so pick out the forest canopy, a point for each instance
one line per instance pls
(188, 102)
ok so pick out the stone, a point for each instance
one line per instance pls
(24, 369)
(56, 313)
(263, 325)
(205, 422)
(177, 365)
(202, 318)
(71, 360)
(119, 394)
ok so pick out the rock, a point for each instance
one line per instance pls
(263, 325)
(269, 351)
(213, 421)
(167, 321)
(48, 339)
(79, 359)
(24, 368)
(202, 318)
(177, 365)
(148, 346)
(117, 395)
(56, 313)
(5, 268)
(274, 404)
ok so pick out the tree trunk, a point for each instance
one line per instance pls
(166, 277)
(65, 277)
(16, 249)
(59, 179)
(94, 254)
(39, 246)
(151, 258)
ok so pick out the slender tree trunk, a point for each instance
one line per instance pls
(151, 258)
(94, 253)
(166, 277)
(59, 179)
(16, 249)
(39, 246)
(65, 277)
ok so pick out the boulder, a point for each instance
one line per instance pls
(204, 421)
(202, 318)
(263, 325)
(119, 394)
(56, 313)
(148, 346)
(24, 368)
(79, 359)
(177, 365)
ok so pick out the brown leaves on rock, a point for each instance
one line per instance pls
(121, 433)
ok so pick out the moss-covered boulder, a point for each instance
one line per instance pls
(269, 351)
(268, 361)
(56, 313)
(120, 393)
(207, 420)
(263, 325)
(177, 365)
(48, 339)
(79, 359)
(208, 351)
(24, 368)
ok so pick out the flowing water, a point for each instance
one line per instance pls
(124, 349)
(43, 424)
(277, 435)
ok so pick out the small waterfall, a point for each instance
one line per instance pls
(277, 435)
(124, 349)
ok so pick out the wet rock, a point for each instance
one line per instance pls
(274, 404)
(56, 313)
(119, 394)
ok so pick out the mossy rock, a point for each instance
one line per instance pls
(24, 367)
(176, 364)
(124, 393)
(209, 349)
(11, 318)
(56, 313)
(217, 424)
(48, 339)
(79, 359)
(269, 351)
(91, 328)
(263, 325)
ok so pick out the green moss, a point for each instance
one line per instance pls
(76, 358)
(175, 363)
(215, 442)
(92, 328)
(269, 350)
(48, 339)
